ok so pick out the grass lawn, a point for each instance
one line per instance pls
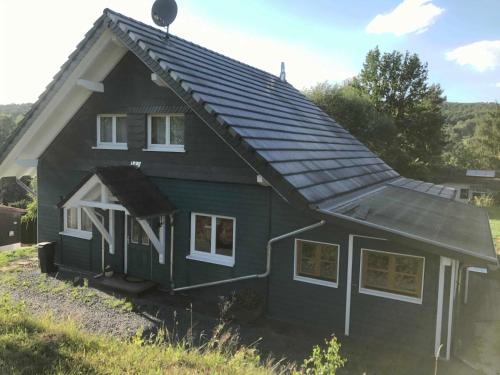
(7, 257)
(45, 346)
(494, 213)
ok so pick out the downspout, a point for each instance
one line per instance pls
(268, 262)
(172, 285)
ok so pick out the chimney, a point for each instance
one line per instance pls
(283, 73)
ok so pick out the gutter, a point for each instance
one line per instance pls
(268, 262)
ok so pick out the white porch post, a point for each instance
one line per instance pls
(112, 231)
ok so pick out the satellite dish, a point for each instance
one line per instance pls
(164, 12)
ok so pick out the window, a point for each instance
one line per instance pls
(213, 239)
(137, 234)
(166, 132)
(316, 262)
(392, 275)
(464, 193)
(77, 223)
(112, 132)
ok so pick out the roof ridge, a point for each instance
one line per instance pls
(108, 11)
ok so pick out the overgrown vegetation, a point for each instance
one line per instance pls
(8, 257)
(10, 116)
(494, 213)
(44, 346)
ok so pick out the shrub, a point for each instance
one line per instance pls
(324, 361)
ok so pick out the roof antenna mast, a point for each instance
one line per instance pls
(163, 13)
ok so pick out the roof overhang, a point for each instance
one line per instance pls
(92, 62)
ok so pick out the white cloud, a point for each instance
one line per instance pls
(483, 55)
(411, 16)
(498, 84)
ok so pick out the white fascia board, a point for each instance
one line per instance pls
(98, 62)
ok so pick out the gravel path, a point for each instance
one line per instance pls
(96, 311)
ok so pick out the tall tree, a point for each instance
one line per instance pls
(397, 84)
(356, 113)
(484, 145)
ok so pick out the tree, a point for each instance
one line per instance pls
(484, 146)
(356, 113)
(397, 85)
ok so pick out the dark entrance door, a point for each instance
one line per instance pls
(139, 251)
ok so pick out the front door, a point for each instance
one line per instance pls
(139, 251)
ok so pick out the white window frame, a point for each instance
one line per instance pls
(211, 257)
(167, 147)
(391, 295)
(113, 145)
(311, 280)
(71, 232)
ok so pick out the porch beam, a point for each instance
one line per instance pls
(104, 206)
(158, 242)
(95, 220)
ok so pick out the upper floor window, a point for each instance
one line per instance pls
(77, 223)
(112, 132)
(166, 132)
(213, 239)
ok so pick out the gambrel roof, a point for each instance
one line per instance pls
(306, 156)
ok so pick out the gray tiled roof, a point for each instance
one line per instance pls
(309, 150)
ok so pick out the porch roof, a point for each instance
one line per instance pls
(133, 190)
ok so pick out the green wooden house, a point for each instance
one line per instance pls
(176, 164)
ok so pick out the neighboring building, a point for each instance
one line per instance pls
(473, 183)
(10, 227)
(176, 164)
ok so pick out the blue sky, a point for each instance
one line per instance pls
(320, 40)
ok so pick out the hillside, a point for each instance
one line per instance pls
(462, 118)
(10, 115)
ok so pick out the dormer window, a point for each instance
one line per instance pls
(166, 132)
(111, 132)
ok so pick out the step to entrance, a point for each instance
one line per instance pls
(119, 283)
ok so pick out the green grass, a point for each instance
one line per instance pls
(43, 346)
(8, 257)
(118, 304)
(494, 213)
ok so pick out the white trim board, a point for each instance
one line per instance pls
(347, 323)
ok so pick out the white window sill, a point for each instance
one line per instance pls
(311, 280)
(210, 258)
(164, 149)
(111, 146)
(77, 233)
(394, 296)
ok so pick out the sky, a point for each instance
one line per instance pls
(320, 40)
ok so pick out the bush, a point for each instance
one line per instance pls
(324, 361)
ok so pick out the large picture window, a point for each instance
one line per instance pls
(77, 223)
(166, 132)
(316, 262)
(392, 275)
(213, 238)
(112, 132)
